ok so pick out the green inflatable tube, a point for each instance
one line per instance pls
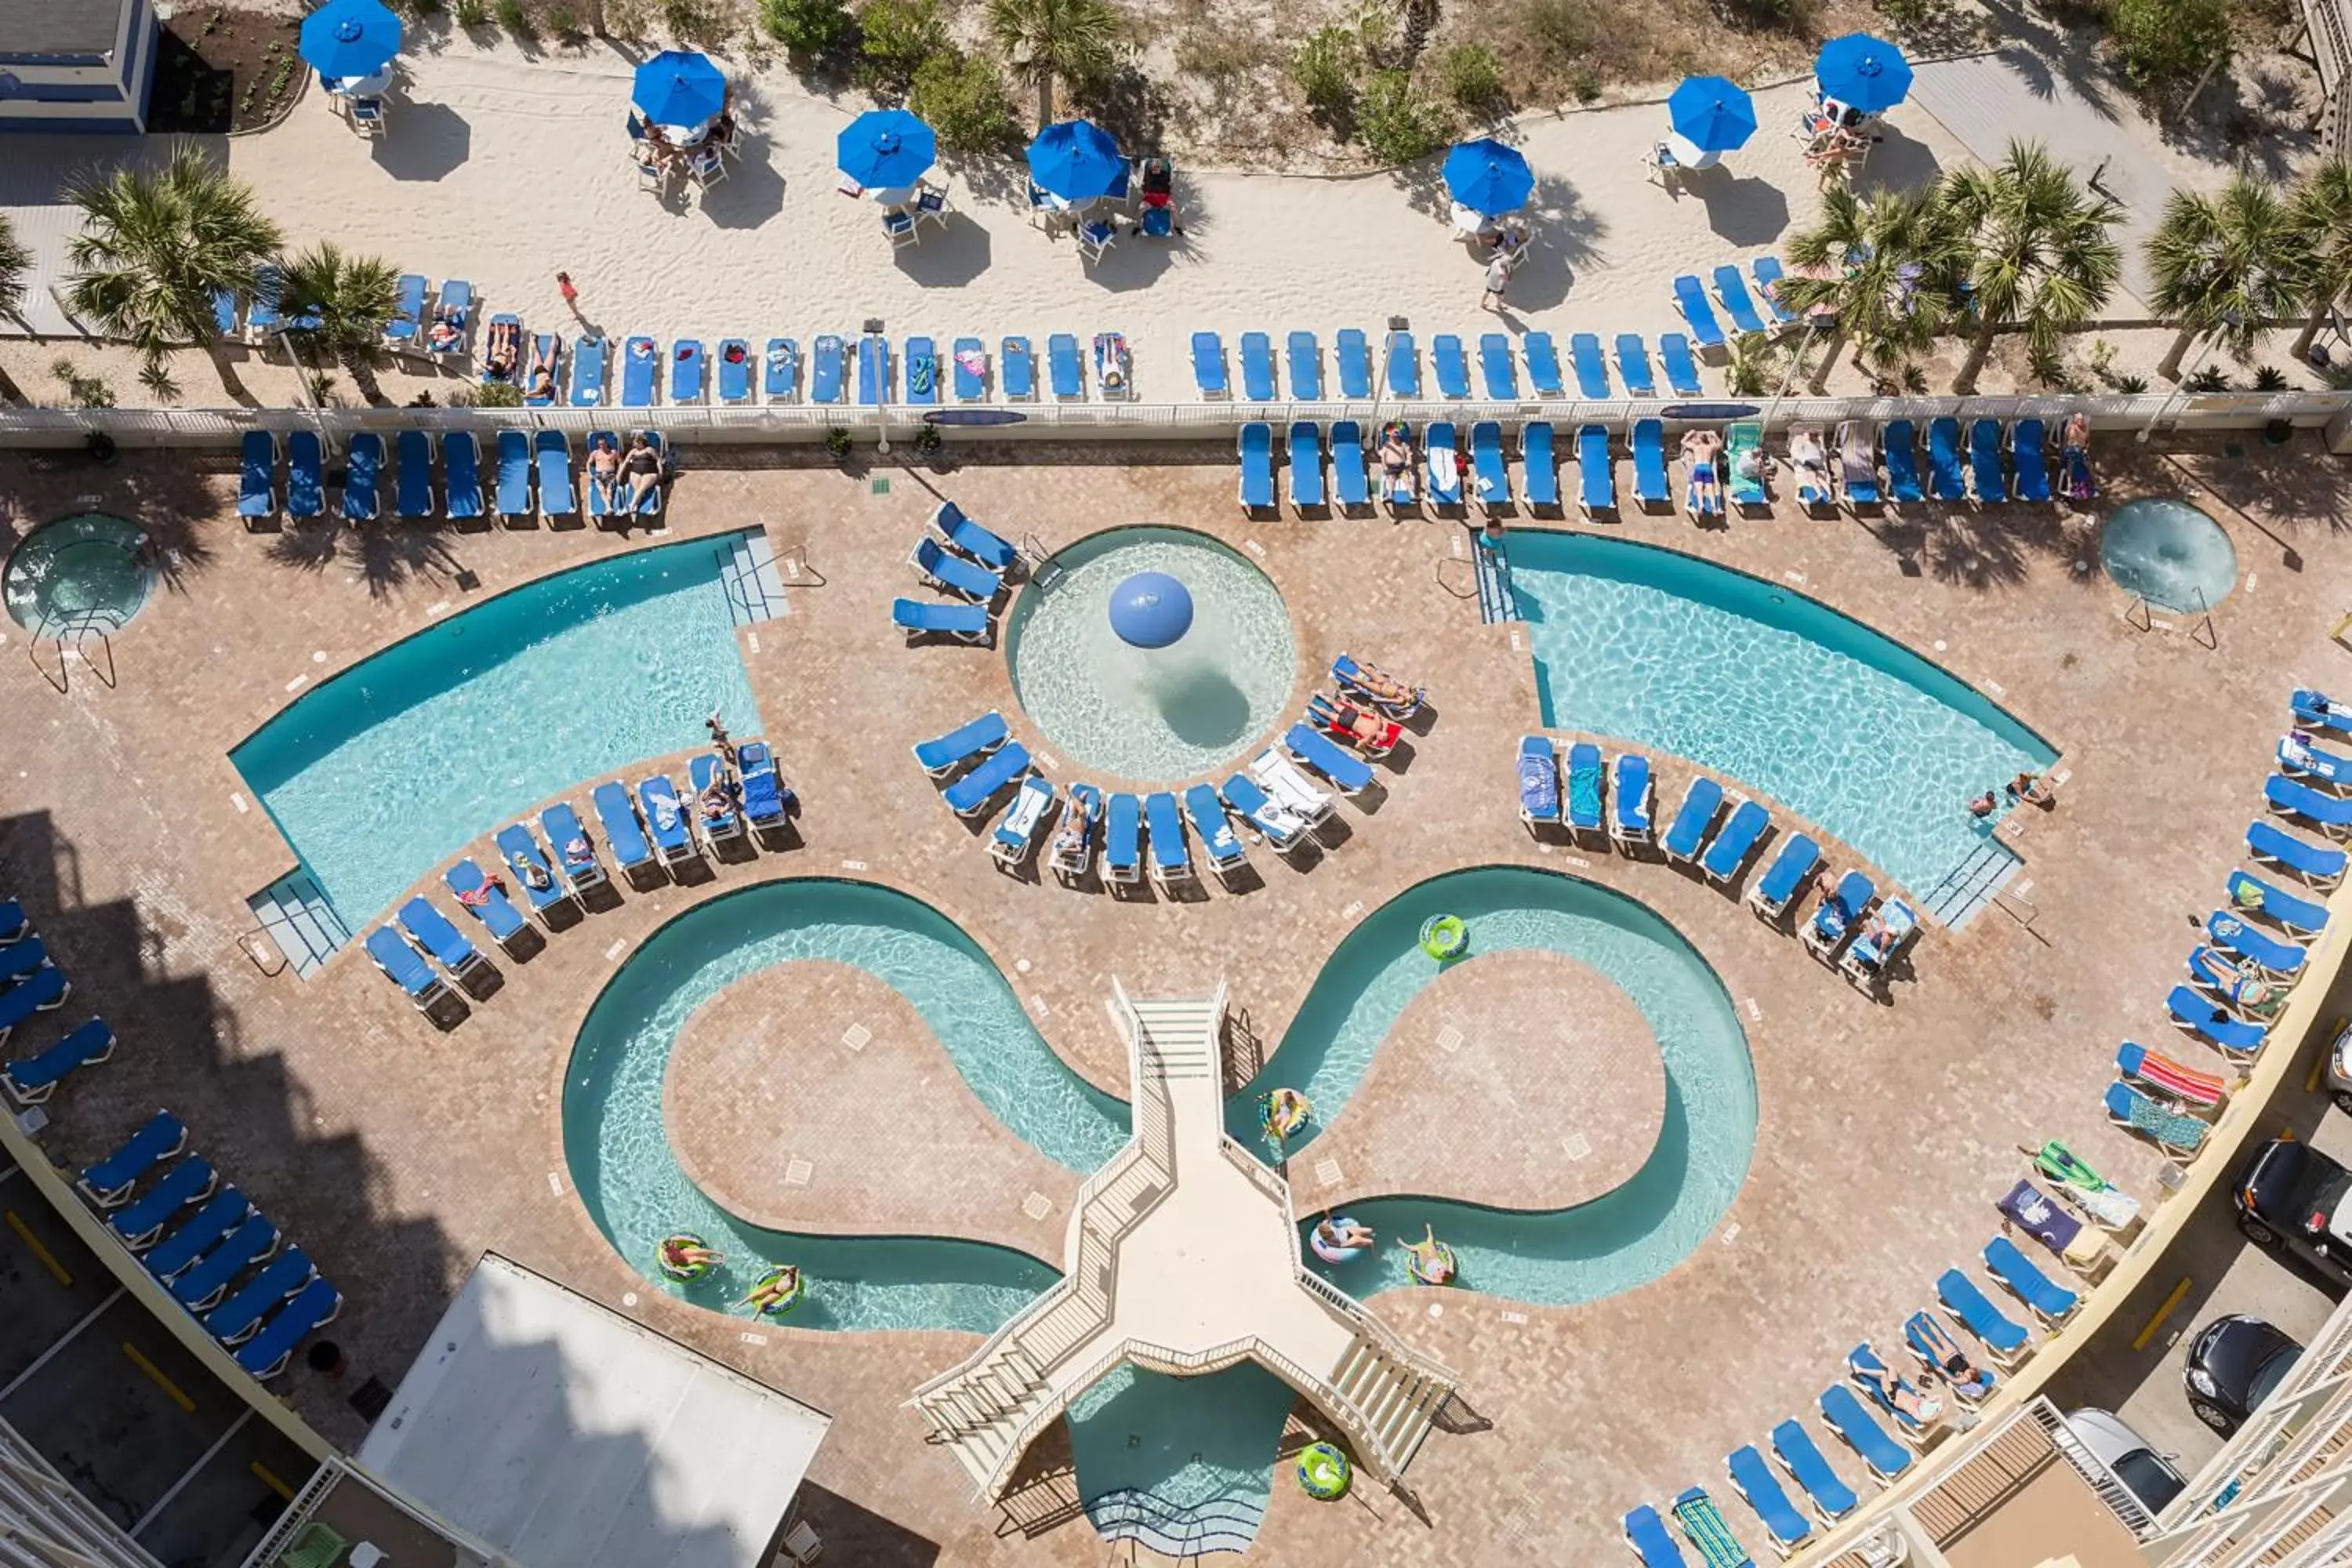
(1443, 937)
(1323, 1472)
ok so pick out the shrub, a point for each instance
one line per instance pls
(1325, 69)
(837, 442)
(1561, 28)
(703, 22)
(2131, 385)
(564, 23)
(497, 394)
(962, 98)
(1473, 78)
(2270, 378)
(896, 37)
(470, 12)
(2169, 41)
(2210, 379)
(156, 377)
(809, 26)
(1396, 124)
(515, 19)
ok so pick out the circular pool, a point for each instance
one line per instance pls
(79, 577)
(2169, 553)
(1154, 715)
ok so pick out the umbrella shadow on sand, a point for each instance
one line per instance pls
(1741, 209)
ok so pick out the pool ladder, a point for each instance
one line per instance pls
(76, 632)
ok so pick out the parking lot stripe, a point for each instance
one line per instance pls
(2147, 1329)
(155, 1375)
(33, 1244)
(61, 1342)
(269, 1479)
(181, 1484)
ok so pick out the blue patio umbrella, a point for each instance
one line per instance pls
(1077, 161)
(349, 38)
(679, 87)
(1488, 178)
(1712, 114)
(1868, 73)
(886, 149)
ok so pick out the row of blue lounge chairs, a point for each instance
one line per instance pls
(559, 868)
(967, 562)
(222, 1260)
(1500, 360)
(31, 984)
(405, 471)
(1731, 292)
(838, 369)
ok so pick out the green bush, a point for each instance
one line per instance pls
(470, 12)
(896, 37)
(2270, 378)
(1561, 28)
(1473, 78)
(497, 394)
(515, 19)
(564, 23)
(962, 98)
(2169, 41)
(1325, 69)
(1396, 124)
(809, 26)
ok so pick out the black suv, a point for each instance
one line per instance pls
(2234, 1364)
(2290, 1195)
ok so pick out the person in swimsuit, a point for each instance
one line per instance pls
(1699, 455)
(502, 351)
(604, 471)
(643, 467)
(542, 384)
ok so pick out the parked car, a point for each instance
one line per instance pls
(2293, 1197)
(2137, 1463)
(2234, 1364)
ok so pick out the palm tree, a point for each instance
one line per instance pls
(2226, 267)
(16, 269)
(2322, 221)
(350, 297)
(1881, 267)
(157, 246)
(2040, 254)
(1073, 41)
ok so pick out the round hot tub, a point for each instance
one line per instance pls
(79, 577)
(2169, 553)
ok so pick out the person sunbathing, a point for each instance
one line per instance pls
(2075, 439)
(1333, 1233)
(1807, 454)
(718, 803)
(543, 374)
(1396, 453)
(447, 330)
(643, 466)
(1751, 467)
(1705, 490)
(579, 854)
(772, 1292)
(604, 470)
(502, 351)
(1963, 1376)
(1382, 687)
(535, 876)
(1070, 838)
(682, 1253)
(1361, 727)
(1898, 1395)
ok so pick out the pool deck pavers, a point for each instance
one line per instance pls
(395, 1153)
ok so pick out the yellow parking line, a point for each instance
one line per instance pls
(170, 1388)
(33, 1244)
(271, 1481)
(2147, 1329)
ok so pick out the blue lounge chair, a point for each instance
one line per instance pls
(969, 538)
(1488, 472)
(1591, 370)
(1698, 315)
(970, 795)
(767, 800)
(1123, 840)
(363, 476)
(1900, 440)
(1209, 365)
(256, 484)
(1538, 466)
(1018, 367)
(688, 366)
(967, 743)
(874, 371)
(955, 574)
(553, 450)
(1989, 479)
(1731, 292)
(45, 989)
(1539, 796)
(828, 369)
(2294, 798)
(1305, 444)
(2029, 455)
(1065, 370)
(29, 1080)
(1686, 834)
(197, 1234)
(1634, 366)
(486, 902)
(781, 378)
(1582, 804)
(2246, 993)
(1866, 962)
(1635, 792)
(1499, 367)
(664, 818)
(237, 1318)
(1645, 1533)
(1682, 370)
(1709, 1533)
(1791, 869)
(1729, 852)
(547, 348)
(1766, 270)
(1355, 356)
(2051, 1301)
(461, 474)
(623, 834)
(1351, 482)
(1838, 913)
(262, 317)
(1650, 487)
(431, 930)
(1799, 1455)
(1283, 829)
(734, 370)
(1215, 831)
(1854, 465)
(1403, 366)
(969, 361)
(493, 377)
(588, 356)
(640, 372)
(1596, 475)
(1934, 1343)
(967, 623)
(110, 1181)
(1257, 367)
(2199, 1017)
(2298, 759)
(14, 926)
(139, 1221)
(225, 311)
(2314, 863)
(1544, 377)
(528, 863)
(2318, 711)
(510, 493)
(2299, 917)
(198, 1287)
(1302, 360)
(20, 959)
(1755, 1482)
(1255, 444)
(1880, 1383)
(268, 1353)
(2003, 1338)
(306, 475)
(1442, 464)
(1352, 774)
(709, 776)
(2283, 958)
(1944, 482)
(412, 473)
(1014, 838)
(404, 967)
(1847, 1418)
(1073, 855)
(1449, 363)
(2176, 1133)
(1745, 489)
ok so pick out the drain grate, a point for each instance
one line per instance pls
(371, 1399)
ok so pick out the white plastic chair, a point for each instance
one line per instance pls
(367, 116)
(931, 206)
(802, 1545)
(901, 227)
(707, 167)
(1094, 238)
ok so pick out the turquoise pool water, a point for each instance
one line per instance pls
(386, 770)
(1180, 1463)
(1844, 726)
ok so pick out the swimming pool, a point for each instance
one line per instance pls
(1180, 1464)
(1844, 726)
(390, 766)
(79, 576)
(2171, 553)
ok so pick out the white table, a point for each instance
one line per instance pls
(358, 86)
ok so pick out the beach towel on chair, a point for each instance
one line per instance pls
(2109, 1206)
(2030, 1209)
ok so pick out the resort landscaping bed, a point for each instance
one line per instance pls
(224, 69)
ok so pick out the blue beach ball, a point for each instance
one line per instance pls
(1151, 609)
